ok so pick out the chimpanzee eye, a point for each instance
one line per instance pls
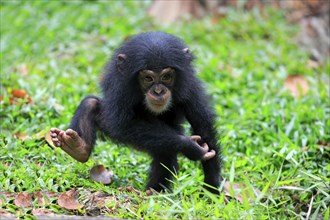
(148, 79)
(167, 77)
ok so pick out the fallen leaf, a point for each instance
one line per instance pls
(129, 189)
(23, 199)
(132, 189)
(23, 137)
(233, 190)
(297, 84)
(19, 93)
(101, 199)
(4, 213)
(40, 197)
(51, 195)
(41, 134)
(5, 197)
(67, 200)
(13, 101)
(217, 17)
(29, 99)
(43, 212)
(100, 174)
(48, 139)
(236, 191)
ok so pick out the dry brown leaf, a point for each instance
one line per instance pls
(13, 101)
(23, 199)
(29, 99)
(233, 190)
(67, 200)
(23, 137)
(19, 93)
(51, 195)
(41, 134)
(49, 139)
(101, 199)
(236, 191)
(217, 17)
(97, 199)
(40, 197)
(100, 174)
(4, 213)
(297, 84)
(130, 189)
(5, 196)
(42, 212)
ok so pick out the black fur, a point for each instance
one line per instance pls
(123, 116)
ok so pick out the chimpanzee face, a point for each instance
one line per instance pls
(156, 88)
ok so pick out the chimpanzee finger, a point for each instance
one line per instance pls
(196, 138)
(205, 147)
(209, 155)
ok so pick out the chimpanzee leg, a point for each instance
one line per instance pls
(212, 174)
(80, 138)
(161, 171)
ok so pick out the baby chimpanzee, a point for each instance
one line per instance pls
(149, 88)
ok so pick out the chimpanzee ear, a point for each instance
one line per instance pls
(187, 54)
(121, 58)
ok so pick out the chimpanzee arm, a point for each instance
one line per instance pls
(200, 115)
(156, 138)
(201, 118)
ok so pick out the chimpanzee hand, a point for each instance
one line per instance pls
(208, 154)
(195, 151)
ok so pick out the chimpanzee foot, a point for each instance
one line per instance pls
(71, 143)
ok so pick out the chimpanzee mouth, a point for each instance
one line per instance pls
(158, 107)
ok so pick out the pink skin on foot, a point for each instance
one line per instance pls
(71, 143)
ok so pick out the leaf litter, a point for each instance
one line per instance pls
(297, 85)
(95, 203)
(100, 174)
(67, 200)
(240, 192)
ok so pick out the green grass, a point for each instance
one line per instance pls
(270, 140)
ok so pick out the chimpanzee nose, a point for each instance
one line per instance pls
(158, 90)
